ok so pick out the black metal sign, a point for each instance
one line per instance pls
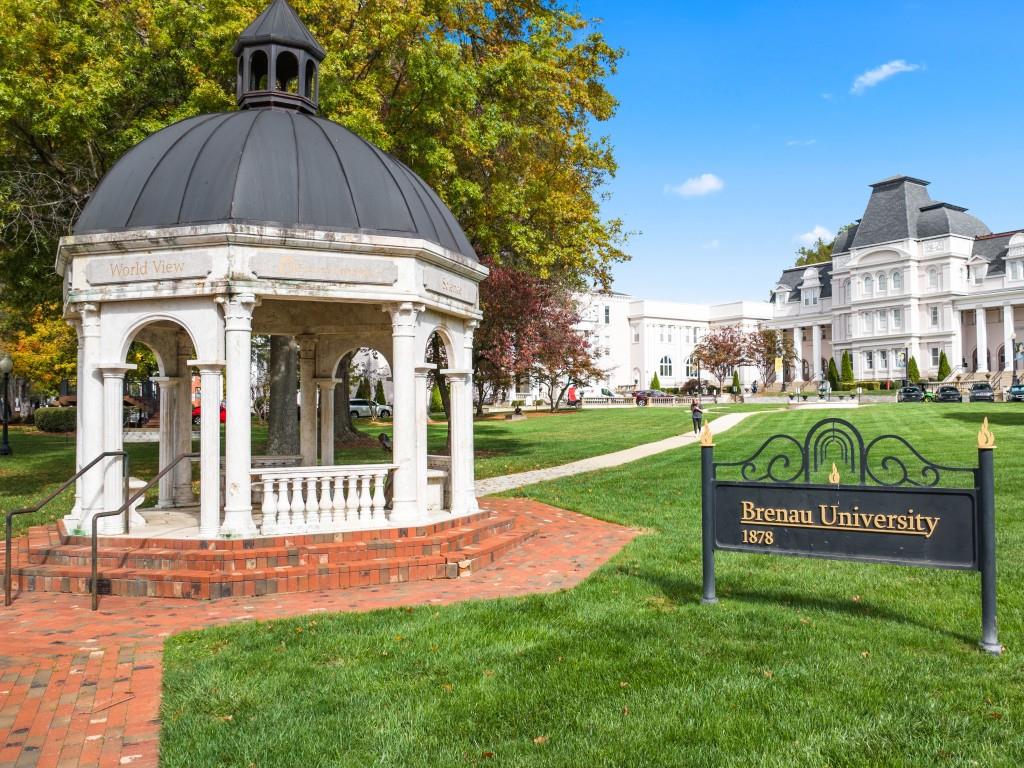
(896, 506)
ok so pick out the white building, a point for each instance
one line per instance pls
(637, 338)
(913, 277)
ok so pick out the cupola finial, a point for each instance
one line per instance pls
(278, 61)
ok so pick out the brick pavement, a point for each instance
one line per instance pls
(79, 688)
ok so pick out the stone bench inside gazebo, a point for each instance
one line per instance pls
(269, 220)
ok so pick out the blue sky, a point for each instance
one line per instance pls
(743, 126)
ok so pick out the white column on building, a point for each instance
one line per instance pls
(405, 506)
(73, 519)
(183, 495)
(238, 406)
(169, 389)
(957, 343)
(468, 445)
(210, 374)
(89, 441)
(798, 346)
(113, 440)
(307, 400)
(982, 337)
(463, 496)
(422, 372)
(816, 351)
(1008, 337)
(326, 387)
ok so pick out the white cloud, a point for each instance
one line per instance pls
(801, 142)
(809, 238)
(698, 186)
(873, 77)
(827, 96)
(711, 244)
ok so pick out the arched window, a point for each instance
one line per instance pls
(868, 285)
(258, 70)
(897, 281)
(691, 369)
(287, 73)
(665, 366)
(310, 80)
(881, 282)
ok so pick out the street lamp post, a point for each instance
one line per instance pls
(6, 366)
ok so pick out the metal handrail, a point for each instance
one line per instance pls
(29, 510)
(125, 510)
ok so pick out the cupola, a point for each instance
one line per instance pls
(278, 62)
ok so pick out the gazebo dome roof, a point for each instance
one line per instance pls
(280, 167)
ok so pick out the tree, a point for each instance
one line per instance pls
(819, 251)
(913, 374)
(847, 369)
(344, 428)
(436, 405)
(563, 355)
(944, 369)
(378, 396)
(655, 381)
(735, 382)
(721, 350)
(44, 349)
(283, 413)
(363, 389)
(833, 374)
(763, 347)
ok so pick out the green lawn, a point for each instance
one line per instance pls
(804, 662)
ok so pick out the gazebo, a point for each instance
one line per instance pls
(270, 220)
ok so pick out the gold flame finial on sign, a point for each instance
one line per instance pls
(833, 476)
(985, 438)
(706, 440)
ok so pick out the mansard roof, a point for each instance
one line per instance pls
(993, 248)
(947, 219)
(844, 239)
(793, 278)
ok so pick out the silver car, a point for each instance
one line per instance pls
(360, 409)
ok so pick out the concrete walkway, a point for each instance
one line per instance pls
(507, 482)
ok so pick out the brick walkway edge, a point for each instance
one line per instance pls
(80, 689)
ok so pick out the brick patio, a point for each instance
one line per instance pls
(79, 688)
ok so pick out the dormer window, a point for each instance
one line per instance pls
(810, 297)
(1015, 269)
(978, 273)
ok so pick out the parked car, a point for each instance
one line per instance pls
(197, 414)
(1015, 393)
(948, 394)
(909, 395)
(383, 411)
(643, 395)
(360, 408)
(982, 392)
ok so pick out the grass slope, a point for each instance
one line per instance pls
(804, 662)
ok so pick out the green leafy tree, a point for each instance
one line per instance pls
(818, 252)
(436, 406)
(655, 381)
(736, 382)
(847, 369)
(833, 374)
(378, 395)
(944, 369)
(913, 374)
(363, 390)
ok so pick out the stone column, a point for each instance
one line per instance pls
(981, 334)
(89, 441)
(183, 495)
(422, 373)
(405, 506)
(113, 440)
(469, 451)
(238, 407)
(816, 351)
(326, 387)
(169, 390)
(307, 400)
(956, 350)
(1008, 336)
(463, 497)
(73, 519)
(210, 374)
(798, 346)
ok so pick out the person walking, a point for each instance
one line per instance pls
(697, 414)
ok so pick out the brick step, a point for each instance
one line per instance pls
(211, 585)
(478, 556)
(153, 559)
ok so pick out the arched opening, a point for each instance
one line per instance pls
(310, 87)
(665, 367)
(286, 72)
(259, 70)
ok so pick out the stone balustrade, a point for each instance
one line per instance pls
(329, 498)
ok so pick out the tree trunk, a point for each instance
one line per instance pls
(344, 430)
(442, 385)
(283, 421)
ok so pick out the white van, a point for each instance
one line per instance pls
(595, 392)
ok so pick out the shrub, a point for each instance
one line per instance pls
(736, 382)
(436, 406)
(833, 374)
(56, 419)
(944, 369)
(655, 382)
(913, 373)
(847, 371)
(378, 395)
(363, 390)
(868, 385)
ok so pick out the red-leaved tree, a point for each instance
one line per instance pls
(721, 351)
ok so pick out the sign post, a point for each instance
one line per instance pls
(894, 509)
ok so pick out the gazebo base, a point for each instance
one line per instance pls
(190, 567)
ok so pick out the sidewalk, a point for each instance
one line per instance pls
(503, 483)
